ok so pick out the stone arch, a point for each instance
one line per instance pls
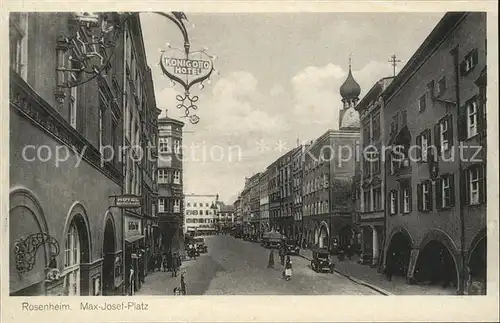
(109, 218)
(395, 231)
(23, 197)
(443, 238)
(474, 243)
(432, 240)
(78, 213)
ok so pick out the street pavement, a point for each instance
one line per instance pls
(237, 267)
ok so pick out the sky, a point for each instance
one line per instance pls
(276, 84)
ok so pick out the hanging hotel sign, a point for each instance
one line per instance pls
(187, 70)
(127, 201)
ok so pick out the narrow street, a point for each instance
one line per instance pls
(236, 267)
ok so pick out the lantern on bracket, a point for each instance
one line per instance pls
(89, 48)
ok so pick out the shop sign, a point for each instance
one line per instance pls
(127, 201)
(132, 226)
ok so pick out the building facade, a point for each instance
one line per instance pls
(297, 179)
(436, 203)
(274, 195)
(370, 188)
(329, 169)
(285, 220)
(264, 203)
(74, 230)
(170, 185)
(200, 214)
(254, 205)
(226, 218)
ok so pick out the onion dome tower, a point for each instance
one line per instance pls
(349, 91)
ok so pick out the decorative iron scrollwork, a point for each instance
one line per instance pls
(187, 103)
(25, 250)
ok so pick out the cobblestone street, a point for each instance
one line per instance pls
(236, 267)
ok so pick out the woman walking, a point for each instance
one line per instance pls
(288, 268)
(270, 263)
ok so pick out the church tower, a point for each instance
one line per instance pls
(350, 90)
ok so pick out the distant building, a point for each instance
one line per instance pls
(264, 202)
(298, 158)
(170, 184)
(370, 189)
(200, 214)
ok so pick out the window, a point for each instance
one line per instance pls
(367, 201)
(423, 141)
(424, 196)
(177, 206)
(73, 102)
(188, 204)
(475, 189)
(422, 103)
(72, 261)
(164, 144)
(377, 199)
(444, 134)
(445, 192)
(194, 204)
(177, 177)
(163, 175)
(393, 202)
(406, 199)
(471, 118)
(376, 128)
(177, 146)
(101, 127)
(206, 204)
(469, 62)
(18, 23)
(395, 123)
(161, 205)
(442, 85)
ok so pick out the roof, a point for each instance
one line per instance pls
(443, 28)
(350, 89)
(170, 120)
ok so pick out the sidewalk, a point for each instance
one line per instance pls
(365, 275)
(162, 283)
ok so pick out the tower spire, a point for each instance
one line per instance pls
(350, 57)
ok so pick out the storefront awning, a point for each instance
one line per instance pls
(134, 238)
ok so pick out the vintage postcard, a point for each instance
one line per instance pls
(282, 156)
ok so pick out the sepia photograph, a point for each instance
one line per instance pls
(178, 153)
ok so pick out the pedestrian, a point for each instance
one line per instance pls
(168, 257)
(288, 268)
(174, 265)
(270, 264)
(183, 284)
(177, 291)
(282, 255)
(165, 263)
(389, 268)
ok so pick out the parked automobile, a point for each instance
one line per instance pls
(201, 247)
(264, 242)
(292, 248)
(321, 261)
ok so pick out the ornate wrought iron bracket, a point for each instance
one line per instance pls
(25, 250)
(188, 103)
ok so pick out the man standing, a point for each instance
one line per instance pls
(183, 284)
(282, 255)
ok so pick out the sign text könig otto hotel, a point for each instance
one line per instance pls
(186, 69)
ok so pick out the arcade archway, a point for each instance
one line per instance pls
(108, 250)
(435, 264)
(323, 236)
(477, 268)
(398, 254)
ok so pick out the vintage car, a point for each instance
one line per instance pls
(264, 241)
(291, 247)
(321, 261)
(200, 245)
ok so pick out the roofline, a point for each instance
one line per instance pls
(437, 36)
